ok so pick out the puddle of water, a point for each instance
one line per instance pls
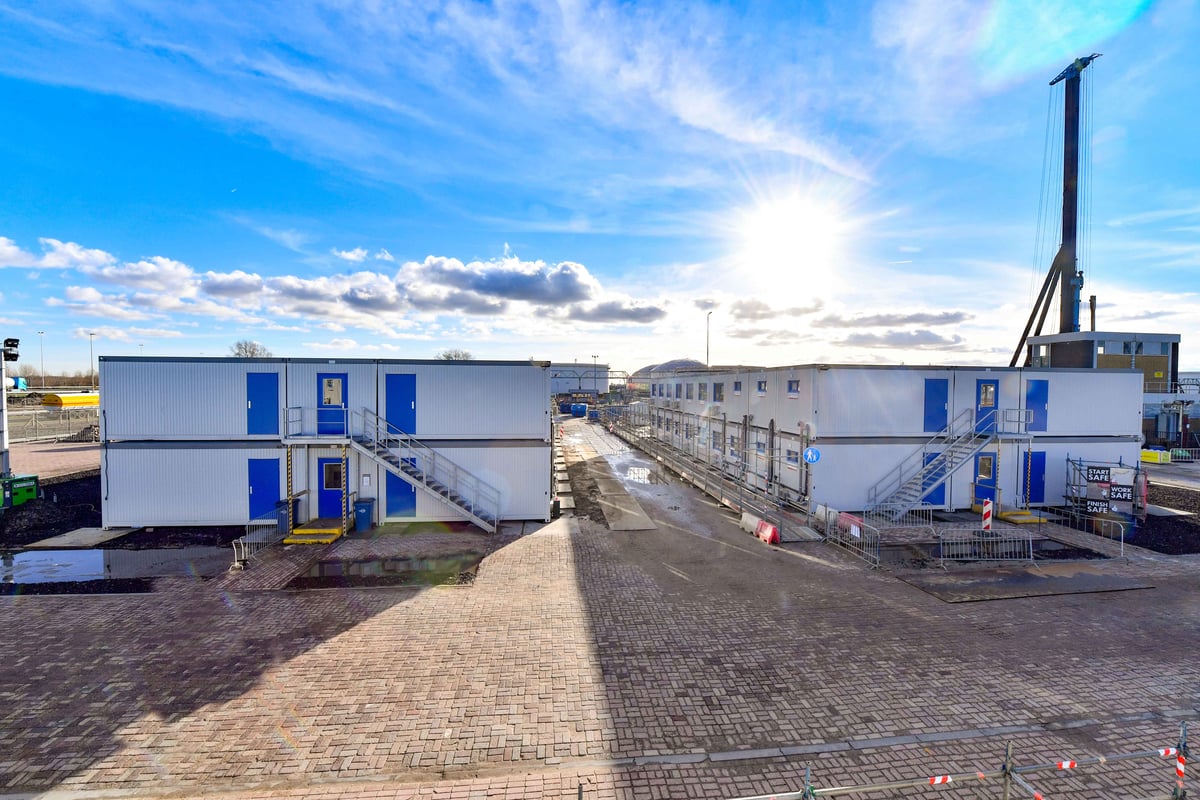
(388, 572)
(645, 475)
(62, 566)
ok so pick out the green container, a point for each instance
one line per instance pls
(19, 489)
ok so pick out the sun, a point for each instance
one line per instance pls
(793, 243)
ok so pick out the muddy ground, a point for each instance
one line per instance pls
(76, 504)
(1172, 535)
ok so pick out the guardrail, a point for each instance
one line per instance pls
(712, 479)
(264, 531)
(477, 496)
(261, 532)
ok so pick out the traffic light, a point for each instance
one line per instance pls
(10, 349)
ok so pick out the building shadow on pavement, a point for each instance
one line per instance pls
(91, 679)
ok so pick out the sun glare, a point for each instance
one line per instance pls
(792, 243)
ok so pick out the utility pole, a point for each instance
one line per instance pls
(707, 327)
(91, 360)
(7, 353)
(42, 353)
(595, 378)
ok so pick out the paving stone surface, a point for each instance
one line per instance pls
(52, 461)
(692, 661)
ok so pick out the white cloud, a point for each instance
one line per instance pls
(356, 255)
(56, 255)
(290, 238)
(384, 255)
(156, 273)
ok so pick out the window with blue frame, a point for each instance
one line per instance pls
(716, 441)
(760, 447)
(689, 391)
(702, 391)
(737, 387)
(793, 388)
(678, 390)
(718, 392)
(792, 458)
(762, 387)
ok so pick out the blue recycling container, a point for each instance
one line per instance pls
(282, 516)
(363, 513)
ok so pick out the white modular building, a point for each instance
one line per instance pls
(221, 441)
(860, 437)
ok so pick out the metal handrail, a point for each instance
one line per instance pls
(478, 497)
(960, 428)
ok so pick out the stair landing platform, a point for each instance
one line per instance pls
(317, 531)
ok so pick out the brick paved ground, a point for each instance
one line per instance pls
(690, 661)
(54, 460)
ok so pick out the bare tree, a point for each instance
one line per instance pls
(244, 348)
(454, 354)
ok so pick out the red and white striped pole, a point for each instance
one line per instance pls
(987, 515)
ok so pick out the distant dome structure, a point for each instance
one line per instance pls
(675, 365)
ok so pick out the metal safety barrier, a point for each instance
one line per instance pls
(1010, 775)
(983, 545)
(851, 533)
(261, 532)
(1100, 526)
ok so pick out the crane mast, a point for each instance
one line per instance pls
(1063, 270)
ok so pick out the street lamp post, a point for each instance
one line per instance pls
(595, 380)
(91, 360)
(707, 320)
(42, 352)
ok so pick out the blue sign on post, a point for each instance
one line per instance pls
(812, 455)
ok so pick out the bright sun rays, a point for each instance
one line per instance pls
(791, 243)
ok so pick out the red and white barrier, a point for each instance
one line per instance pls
(767, 532)
(987, 515)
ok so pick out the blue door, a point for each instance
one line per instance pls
(263, 474)
(1033, 477)
(400, 401)
(400, 410)
(987, 401)
(937, 404)
(401, 496)
(934, 483)
(985, 477)
(262, 403)
(331, 404)
(330, 481)
(1037, 398)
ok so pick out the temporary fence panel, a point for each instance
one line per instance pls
(1009, 774)
(984, 545)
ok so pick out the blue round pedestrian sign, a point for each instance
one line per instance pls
(812, 455)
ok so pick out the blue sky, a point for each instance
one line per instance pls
(836, 182)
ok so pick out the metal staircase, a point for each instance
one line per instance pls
(904, 488)
(423, 467)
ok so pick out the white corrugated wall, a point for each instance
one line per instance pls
(170, 399)
(178, 485)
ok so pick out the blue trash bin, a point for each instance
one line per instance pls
(282, 515)
(364, 511)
